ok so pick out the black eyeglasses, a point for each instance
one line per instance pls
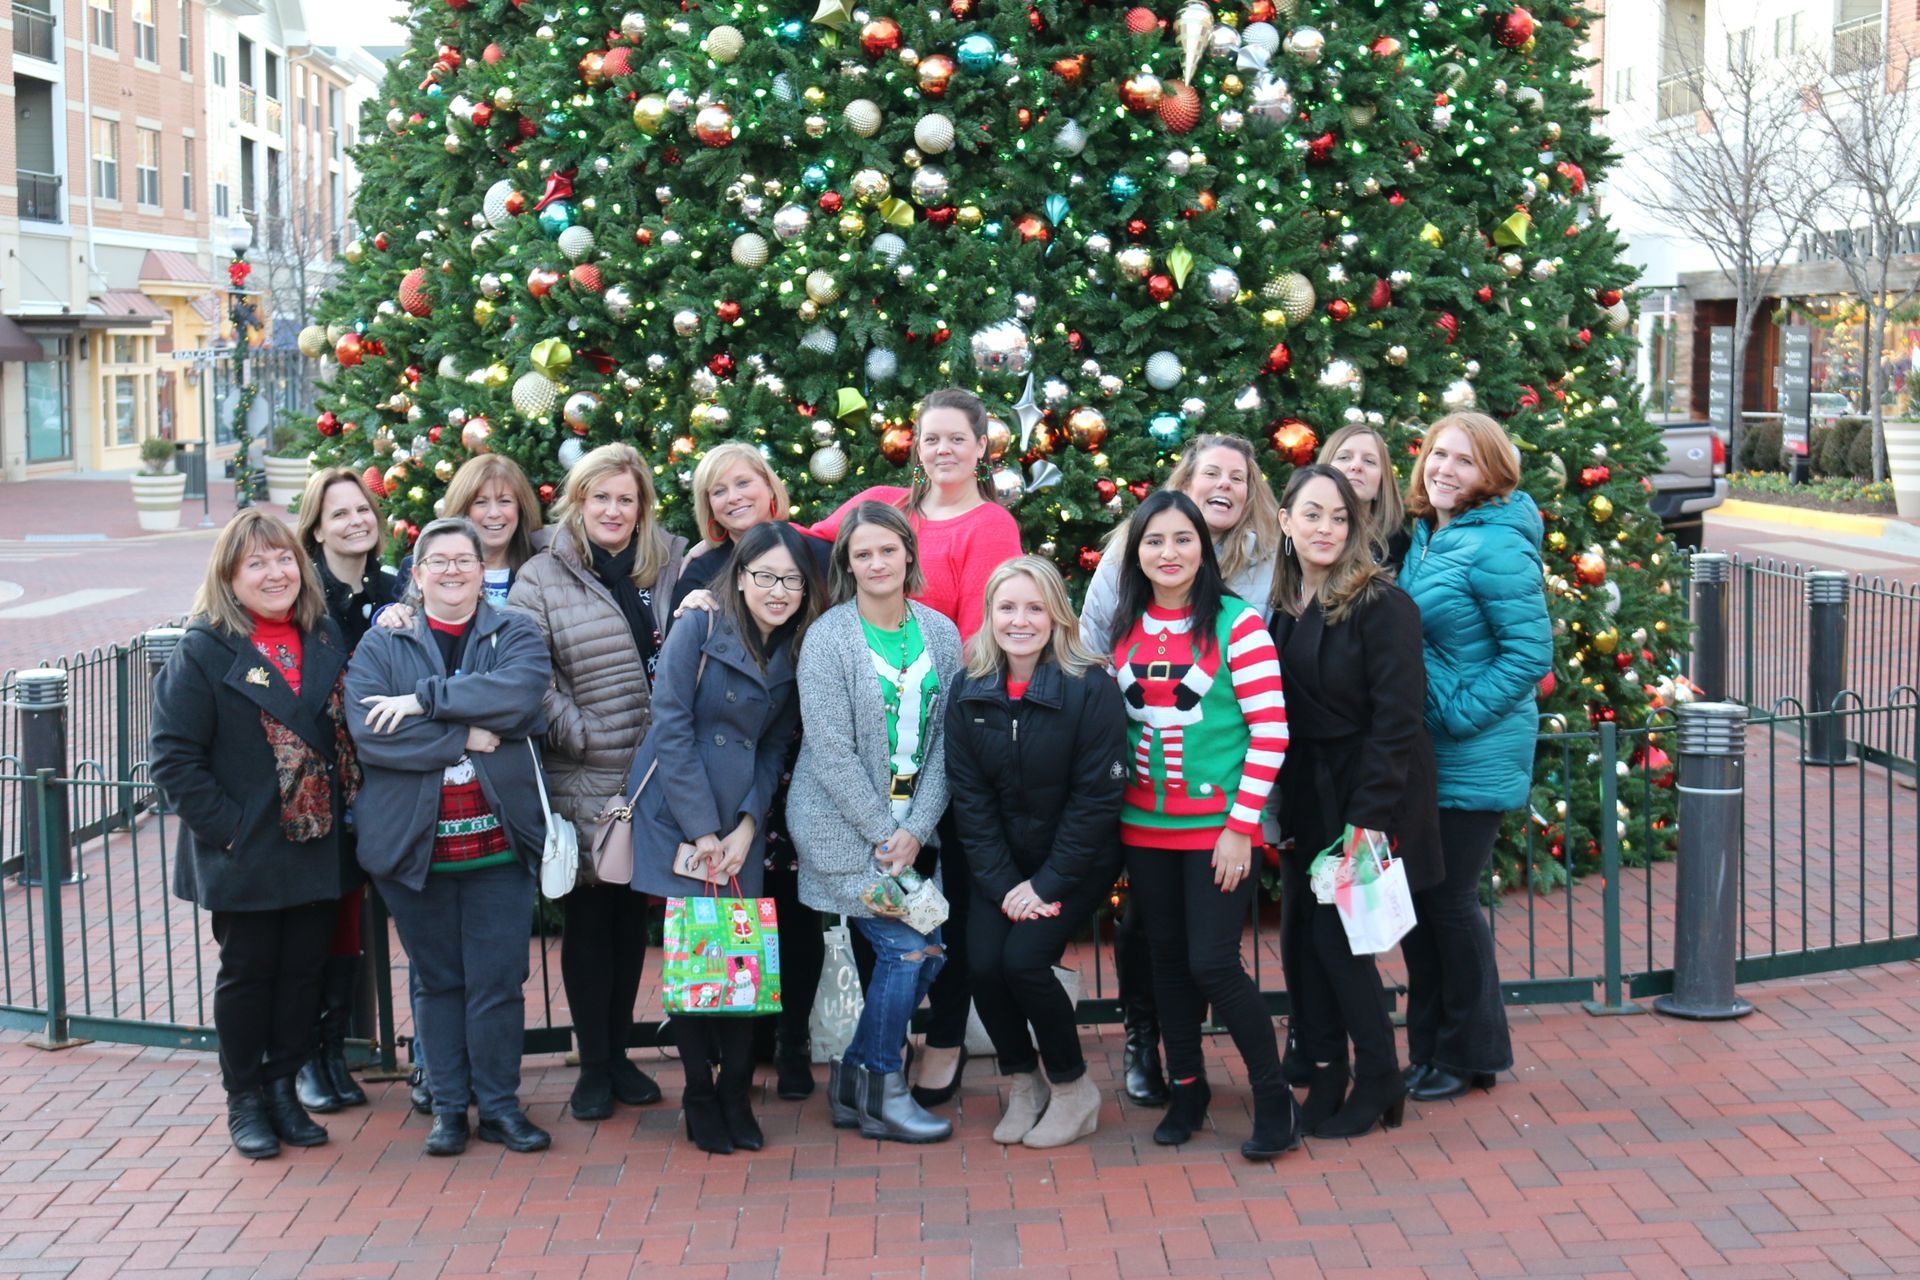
(767, 580)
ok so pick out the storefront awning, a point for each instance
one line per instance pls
(16, 344)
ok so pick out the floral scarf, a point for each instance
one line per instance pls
(306, 778)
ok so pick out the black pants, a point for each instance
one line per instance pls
(803, 951)
(1014, 986)
(704, 1039)
(1133, 968)
(1194, 931)
(1336, 995)
(602, 951)
(1455, 1018)
(267, 993)
(952, 993)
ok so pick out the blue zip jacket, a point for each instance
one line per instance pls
(1483, 613)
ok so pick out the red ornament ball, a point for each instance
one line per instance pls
(546, 492)
(617, 62)
(1088, 559)
(1513, 29)
(896, 444)
(586, 277)
(1294, 440)
(1032, 226)
(721, 364)
(1139, 489)
(1069, 69)
(1159, 287)
(492, 54)
(1340, 309)
(1179, 109)
(936, 71)
(375, 482)
(349, 351)
(1036, 21)
(1381, 296)
(482, 114)
(880, 37)
(1320, 150)
(1106, 489)
(1137, 228)
(1544, 690)
(541, 280)
(728, 311)
(830, 201)
(413, 293)
(1142, 92)
(942, 215)
(1484, 293)
(1142, 21)
(327, 424)
(1279, 360)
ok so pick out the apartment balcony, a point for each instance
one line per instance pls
(34, 32)
(1856, 45)
(249, 105)
(39, 195)
(1679, 94)
(276, 116)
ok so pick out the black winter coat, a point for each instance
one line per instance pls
(1035, 787)
(212, 761)
(1358, 752)
(352, 605)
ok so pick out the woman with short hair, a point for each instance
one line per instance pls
(251, 749)
(599, 593)
(444, 714)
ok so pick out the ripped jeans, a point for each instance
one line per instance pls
(905, 965)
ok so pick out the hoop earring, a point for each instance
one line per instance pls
(773, 509)
(1289, 544)
(716, 532)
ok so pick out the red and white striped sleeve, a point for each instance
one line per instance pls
(1254, 666)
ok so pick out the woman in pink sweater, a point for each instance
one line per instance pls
(964, 535)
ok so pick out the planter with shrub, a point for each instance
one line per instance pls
(286, 473)
(158, 489)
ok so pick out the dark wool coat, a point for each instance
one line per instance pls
(212, 761)
(1359, 753)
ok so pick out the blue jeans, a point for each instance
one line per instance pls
(902, 974)
(463, 935)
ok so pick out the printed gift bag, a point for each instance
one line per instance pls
(1368, 886)
(721, 955)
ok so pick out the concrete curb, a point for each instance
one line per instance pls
(1842, 523)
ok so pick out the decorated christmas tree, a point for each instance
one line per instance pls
(771, 221)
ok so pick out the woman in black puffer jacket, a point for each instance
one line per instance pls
(1036, 764)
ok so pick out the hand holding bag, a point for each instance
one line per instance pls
(560, 856)
(1368, 887)
(721, 955)
(908, 897)
(610, 856)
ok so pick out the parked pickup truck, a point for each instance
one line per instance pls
(1692, 480)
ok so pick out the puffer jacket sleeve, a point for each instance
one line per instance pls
(1096, 611)
(976, 808)
(1504, 583)
(1085, 841)
(566, 719)
(827, 717)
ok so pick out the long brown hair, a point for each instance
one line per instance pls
(976, 413)
(483, 469)
(652, 551)
(1353, 576)
(1493, 453)
(313, 500)
(250, 531)
(841, 585)
(1386, 514)
(1259, 515)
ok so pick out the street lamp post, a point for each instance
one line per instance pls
(242, 313)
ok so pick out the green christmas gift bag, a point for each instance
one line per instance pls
(722, 955)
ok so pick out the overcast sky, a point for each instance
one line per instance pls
(358, 22)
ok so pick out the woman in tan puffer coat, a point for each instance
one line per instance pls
(600, 593)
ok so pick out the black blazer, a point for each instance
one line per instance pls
(1358, 751)
(1035, 790)
(212, 761)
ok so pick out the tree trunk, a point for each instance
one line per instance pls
(1876, 385)
(1737, 397)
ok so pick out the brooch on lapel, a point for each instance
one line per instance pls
(258, 676)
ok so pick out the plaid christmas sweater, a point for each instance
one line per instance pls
(1212, 726)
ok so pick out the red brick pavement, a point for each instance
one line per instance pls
(1787, 1144)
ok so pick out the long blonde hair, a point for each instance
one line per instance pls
(985, 657)
(249, 531)
(1260, 516)
(652, 551)
(1386, 514)
(483, 469)
(1493, 453)
(1354, 574)
(716, 464)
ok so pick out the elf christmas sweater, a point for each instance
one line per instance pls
(1212, 726)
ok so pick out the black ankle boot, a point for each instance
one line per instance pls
(1325, 1093)
(419, 1093)
(700, 1104)
(1276, 1123)
(1186, 1112)
(793, 1060)
(248, 1126)
(592, 1093)
(632, 1086)
(1146, 1084)
(1381, 1101)
(1438, 1085)
(289, 1119)
(1296, 1066)
(313, 1084)
(341, 974)
(735, 1088)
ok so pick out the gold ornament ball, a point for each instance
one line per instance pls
(476, 434)
(870, 186)
(828, 465)
(483, 310)
(750, 250)
(579, 409)
(1273, 318)
(504, 97)
(822, 287)
(354, 252)
(969, 216)
(650, 113)
(495, 376)
(1134, 262)
(808, 310)
(1232, 85)
(852, 224)
(1087, 428)
(999, 438)
(816, 126)
(313, 342)
(814, 96)
(1606, 641)
(863, 117)
(1396, 355)
(1294, 293)
(1557, 542)
(443, 470)
(1600, 507)
(724, 44)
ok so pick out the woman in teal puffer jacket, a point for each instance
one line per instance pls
(1474, 571)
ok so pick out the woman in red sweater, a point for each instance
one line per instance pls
(964, 535)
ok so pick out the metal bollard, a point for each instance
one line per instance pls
(1712, 602)
(1712, 787)
(1827, 594)
(40, 696)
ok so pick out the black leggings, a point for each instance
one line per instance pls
(1194, 931)
(705, 1039)
(1336, 995)
(1455, 1017)
(1014, 986)
(602, 951)
(803, 950)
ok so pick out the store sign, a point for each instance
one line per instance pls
(1720, 375)
(1859, 243)
(1796, 383)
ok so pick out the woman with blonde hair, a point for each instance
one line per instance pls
(1036, 769)
(1222, 475)
(1360, 453)
(1474, 570)
(599, 592)
(734, 489)
(251, 748)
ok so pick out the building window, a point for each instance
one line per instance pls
(221, 201)
(1786, 35)
(126, 388)
(49, 426)
(1740, 48)
(186, 174)
(146, 35)
(1623, 85)
(102, 25)
(146, 170)
(106, 159)
(220, 69)
(186, 35)
(334, 122)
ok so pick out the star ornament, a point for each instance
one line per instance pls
(1028, 410)
(833, 13)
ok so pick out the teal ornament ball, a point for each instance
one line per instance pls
(991, 230)
(556, 217)
(1122, 187)
(1164, 429)
(814, 177)
(1056, 209)
(791, 31)
(554, 124)
(977, 53)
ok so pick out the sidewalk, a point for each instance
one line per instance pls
(1786, 1144)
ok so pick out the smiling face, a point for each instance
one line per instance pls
(611, 510)
(1170, 553)
(267, 581)
(448, 573)
(1021, 623)
(1359, 459)
(740, 498)
(496, 513)
(1451, 473)
(949, 452)
(348, 525)
(878, 561)
(773, 587)
(1318, 523)
(1219, 487)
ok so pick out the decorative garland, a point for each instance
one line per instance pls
(237, 272)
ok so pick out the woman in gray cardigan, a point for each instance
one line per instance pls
(868, 791)
(724, 715)
(443, 714)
